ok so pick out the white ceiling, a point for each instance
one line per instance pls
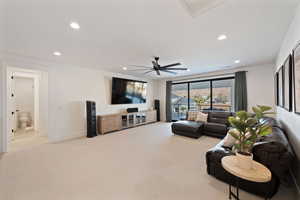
(118, 33)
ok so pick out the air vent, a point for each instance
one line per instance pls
(197, 7)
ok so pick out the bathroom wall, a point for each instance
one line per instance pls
(24, 95)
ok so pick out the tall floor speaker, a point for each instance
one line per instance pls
(157, 108)
(91, 119)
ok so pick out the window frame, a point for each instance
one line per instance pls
(210, 84)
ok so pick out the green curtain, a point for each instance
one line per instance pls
(168, 101)
(240, 89)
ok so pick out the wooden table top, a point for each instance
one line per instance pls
(258, 173)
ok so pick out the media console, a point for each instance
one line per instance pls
(116, 122)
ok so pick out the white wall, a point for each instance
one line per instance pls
(260, 85)
(290, 120)
(24, 95)
(69, 88)
(2, 86)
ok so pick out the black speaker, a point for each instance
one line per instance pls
(132, 110)
(157, 108)
(91, 119)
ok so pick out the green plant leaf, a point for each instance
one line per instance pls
(265, 130)
(251, 122)
(264, 108)
(243, 115)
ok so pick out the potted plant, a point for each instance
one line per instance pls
(247, 128)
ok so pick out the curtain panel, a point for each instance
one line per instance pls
(168, 101)
(240, 89)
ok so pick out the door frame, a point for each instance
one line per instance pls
(36, 81)
(7, 73)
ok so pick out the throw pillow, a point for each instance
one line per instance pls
(192, 115)
(201, 117)
(229, 141)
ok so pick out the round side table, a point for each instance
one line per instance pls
(258, 173)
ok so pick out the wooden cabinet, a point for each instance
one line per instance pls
(115, 122)
(151, 116)
(109, 123)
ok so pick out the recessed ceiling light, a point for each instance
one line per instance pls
(222, 37)
(56, 53)
(237, 61)
(124, 68)
(74, 25)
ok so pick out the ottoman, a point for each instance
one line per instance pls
(188, 128)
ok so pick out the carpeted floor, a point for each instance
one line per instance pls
(144, 163)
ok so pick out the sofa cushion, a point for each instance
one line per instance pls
(274, 151)
(215, 127)
(192, 115)
(219, 117)
(187, 126)
(201, 117)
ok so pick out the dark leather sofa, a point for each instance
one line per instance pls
(272, 151)
(216, 126)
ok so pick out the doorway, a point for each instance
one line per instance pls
(23, 109)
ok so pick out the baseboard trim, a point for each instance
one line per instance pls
(78, 134)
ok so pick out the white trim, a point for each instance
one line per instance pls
(6, 89)
(4, 139)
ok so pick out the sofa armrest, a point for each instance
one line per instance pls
(215, 155)
(272, 155)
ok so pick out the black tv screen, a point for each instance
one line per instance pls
(125, 91)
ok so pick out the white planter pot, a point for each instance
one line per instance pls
(244, 161)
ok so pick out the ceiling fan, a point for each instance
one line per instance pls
(158, 68)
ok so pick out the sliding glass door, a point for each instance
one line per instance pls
(179, 98)
(200, 96)
(206, 95)
(222, 95)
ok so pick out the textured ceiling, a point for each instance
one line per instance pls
(118, 33)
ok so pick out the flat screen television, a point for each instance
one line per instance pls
(125, 91)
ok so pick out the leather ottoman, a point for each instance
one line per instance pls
(188, 128)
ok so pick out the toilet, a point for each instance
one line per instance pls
(24, 119)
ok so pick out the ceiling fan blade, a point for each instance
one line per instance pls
(171, 65)
(148, 72)
(168, 71)
(178, 69)
(157, 72)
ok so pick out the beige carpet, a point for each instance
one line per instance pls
(144, 163)
(26, 139)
